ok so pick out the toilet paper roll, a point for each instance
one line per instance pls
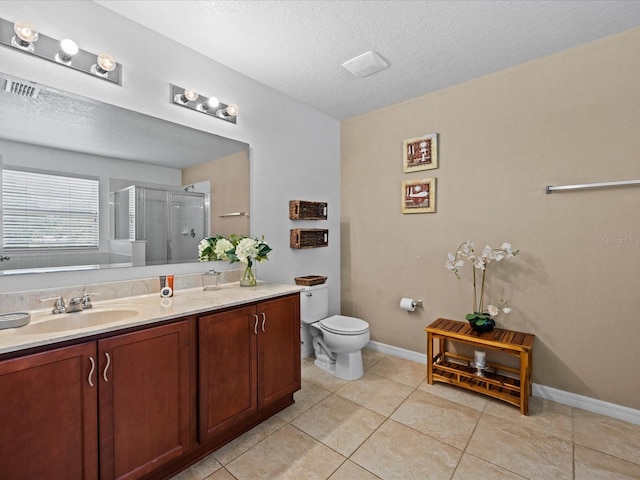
(408, 304)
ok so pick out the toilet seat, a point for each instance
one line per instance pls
(343, 325)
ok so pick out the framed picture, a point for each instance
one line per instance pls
(419, 196)
(421, 153)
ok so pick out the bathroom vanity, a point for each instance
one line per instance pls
(147, 395)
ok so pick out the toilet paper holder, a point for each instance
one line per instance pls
(409, 304)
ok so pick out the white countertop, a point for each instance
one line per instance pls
(46, 328)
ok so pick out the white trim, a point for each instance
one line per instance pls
(398, 352)
(587, 403)
(542, 391)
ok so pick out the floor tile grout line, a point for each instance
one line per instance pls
(496, 465)
(386, 417)
(604, 453)
(222, 468)
(483, 412)
(252, 446)
(463, 451)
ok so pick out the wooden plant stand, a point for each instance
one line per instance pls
(449, 367)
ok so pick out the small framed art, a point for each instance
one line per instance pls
(421, 153)
(419, 196)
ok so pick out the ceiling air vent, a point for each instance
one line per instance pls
(366, 64)
(22, 88)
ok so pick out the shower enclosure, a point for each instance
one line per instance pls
(170, 223)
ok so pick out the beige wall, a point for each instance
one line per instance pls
(229, 180)
(573, 117)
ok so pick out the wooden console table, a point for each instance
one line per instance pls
(449, 367)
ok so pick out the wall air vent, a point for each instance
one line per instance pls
(22, 88)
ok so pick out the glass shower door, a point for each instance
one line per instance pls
(187, 225)
(152, 224)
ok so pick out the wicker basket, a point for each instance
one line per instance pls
(310, 280)
(309, 238)
(303, 210)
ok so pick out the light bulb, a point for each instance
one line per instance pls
(190, 94)
(106, 63)
(212, 102)
(232, 110)
(25, 32)
(68, 49)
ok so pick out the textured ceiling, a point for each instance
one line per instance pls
(298, 47)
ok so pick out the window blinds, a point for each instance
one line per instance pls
(48, 211)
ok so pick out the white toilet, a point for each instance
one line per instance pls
(337, 340)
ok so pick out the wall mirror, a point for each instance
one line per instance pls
(161, 186)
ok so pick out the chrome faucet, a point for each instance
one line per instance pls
(59, 306)
(86, 300)
(79, 303)
(75, 305)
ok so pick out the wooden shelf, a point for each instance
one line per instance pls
(492, 384)
(449, 367)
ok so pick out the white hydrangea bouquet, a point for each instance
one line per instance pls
(236, 248)
(481, 319)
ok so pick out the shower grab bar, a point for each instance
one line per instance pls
(584, 186)
(235, 214)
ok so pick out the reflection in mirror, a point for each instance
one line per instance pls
(149, 171)
(171, 223)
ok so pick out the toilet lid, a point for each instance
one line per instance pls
(341, 324)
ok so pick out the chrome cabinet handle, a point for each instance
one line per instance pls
(264, 318)
(255, 326)
(93, 369)
(106, 367)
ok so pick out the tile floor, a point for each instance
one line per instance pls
(391, 424)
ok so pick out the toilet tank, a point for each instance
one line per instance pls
(314, 303)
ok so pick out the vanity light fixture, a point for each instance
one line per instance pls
(68, 50)
(23, 37)
(210, 103)
(188, 95)
(191, 99)
(105, 63)
(230, 111)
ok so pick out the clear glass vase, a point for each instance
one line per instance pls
(249, 277)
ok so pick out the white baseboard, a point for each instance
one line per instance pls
(587, 403)
(560, 396)
(398, 352)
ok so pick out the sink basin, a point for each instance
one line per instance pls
(76, 321)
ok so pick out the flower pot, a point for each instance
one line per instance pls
(482, 325)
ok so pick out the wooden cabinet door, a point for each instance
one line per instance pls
(227, 374)
(144, 400)
(48, 415)
(278, 349)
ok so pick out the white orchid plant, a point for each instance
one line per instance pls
(480, 262)
(236, 248)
